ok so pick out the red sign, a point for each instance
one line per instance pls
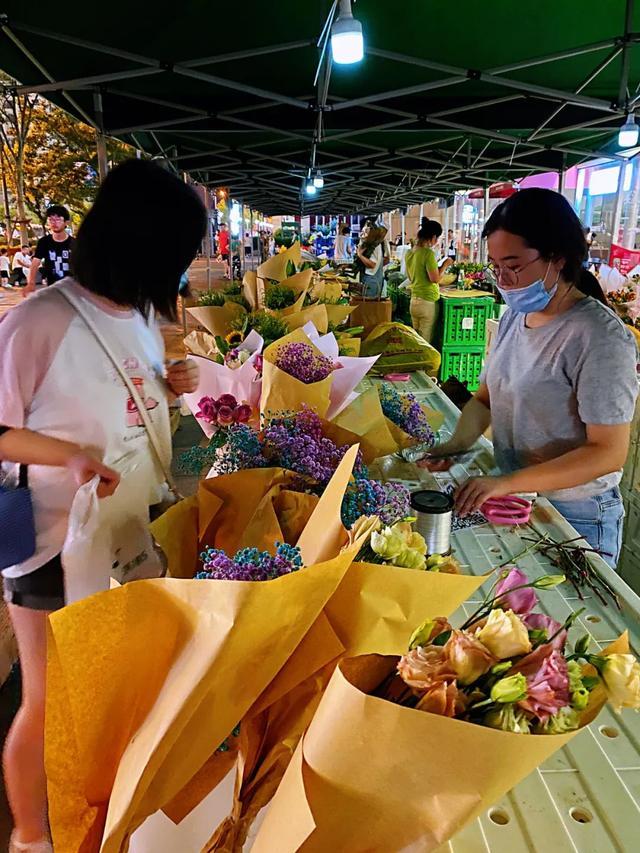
(623, 259)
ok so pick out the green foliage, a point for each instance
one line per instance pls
(278, 297)
(266, 325)
(211, 299)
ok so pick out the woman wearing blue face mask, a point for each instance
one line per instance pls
(560, 386)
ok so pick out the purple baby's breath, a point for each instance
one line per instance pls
(303, 362)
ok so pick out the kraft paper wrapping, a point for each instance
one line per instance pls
(145, 681)
(377, 607)
(362, 421)
(254, 507)
(337, 314)
(316, 314)
(283, 393)
(217, 319)
(202, 344)
(250, 289)
(275, 268)
(374, 608)
(324, 288)
(349, 345)
(292, 309)
(300, 282)
(370, 776)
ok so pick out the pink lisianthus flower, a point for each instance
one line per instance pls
(541, 622)
(522, 601)
(257, 363)
(208, 410)
(547, 682)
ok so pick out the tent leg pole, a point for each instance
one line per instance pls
(617, 211)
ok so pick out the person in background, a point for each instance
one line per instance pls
(343, 252)
(5, 266)
(223, 248)
(560, 387)
(424, 275)
(372, 277)
(53, 251)
(21, 264)
(451, 249)
(56, 382)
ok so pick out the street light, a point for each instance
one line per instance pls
(318, 180)
(310, 188)
(347, 43)
(628, 133)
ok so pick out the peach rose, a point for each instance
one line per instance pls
(441, 698)
(424, 666)
(468, 657)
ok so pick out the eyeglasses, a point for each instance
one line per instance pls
(508, 276)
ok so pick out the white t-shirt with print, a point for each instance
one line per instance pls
(56, 380)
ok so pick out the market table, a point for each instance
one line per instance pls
(586, 798)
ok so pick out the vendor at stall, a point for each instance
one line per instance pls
(560, 387)
(424, 275)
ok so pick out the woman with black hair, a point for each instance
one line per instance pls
(71, 416)
(424, 275)
(560, 386)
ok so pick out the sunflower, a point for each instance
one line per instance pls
(234, 338)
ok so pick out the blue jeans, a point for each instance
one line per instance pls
(599, 520)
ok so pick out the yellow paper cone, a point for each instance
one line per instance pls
(403, 439)
(292, 309)
(324, 288)
(300, 282)
(283, 393)
(275, 268)
(316, 314)
(337, 314)
(202, 344)
(362, 420)
(217, 319)
(349, 345)
(370, 776)
(250, 289)
(137, 670)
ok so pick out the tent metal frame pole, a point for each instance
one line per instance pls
(101, 140)
(617, 211)
(624, 72)
(82, 82)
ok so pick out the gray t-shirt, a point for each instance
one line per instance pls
(547, 383)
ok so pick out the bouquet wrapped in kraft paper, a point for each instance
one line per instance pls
(326, 288)
(304, 368)
(409, 421)
(277, 268)
(253, 290)
(217, 319)
(201, 344)
(371, 776)
(146, 681)
(375, 607)
(300, 282)
(400, 349)
(315, 314)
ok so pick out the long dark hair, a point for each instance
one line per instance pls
(120, 252)
(546, 222)
(429, 228)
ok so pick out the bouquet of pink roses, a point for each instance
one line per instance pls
(238, 375)
(379, 767)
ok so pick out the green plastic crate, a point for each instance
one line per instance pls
(464, 321)
(464, 364)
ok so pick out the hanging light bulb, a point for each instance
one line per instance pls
(347, 43)
(310, 188)
(628, 133)
(318, 180)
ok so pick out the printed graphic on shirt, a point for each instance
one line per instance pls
(59, 263)
(133, 418)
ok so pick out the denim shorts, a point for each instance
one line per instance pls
(599, 520)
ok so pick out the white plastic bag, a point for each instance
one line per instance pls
(109, 537)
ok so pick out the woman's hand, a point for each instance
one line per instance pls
(183, 377)
(85, 467)
(477, 490)
(442, 457)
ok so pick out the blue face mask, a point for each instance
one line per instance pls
(527, 300)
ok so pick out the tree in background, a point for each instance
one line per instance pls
(48, 157)
(16, 115)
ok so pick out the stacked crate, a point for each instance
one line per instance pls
(462, 339)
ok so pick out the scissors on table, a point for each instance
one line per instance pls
(507, 510)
